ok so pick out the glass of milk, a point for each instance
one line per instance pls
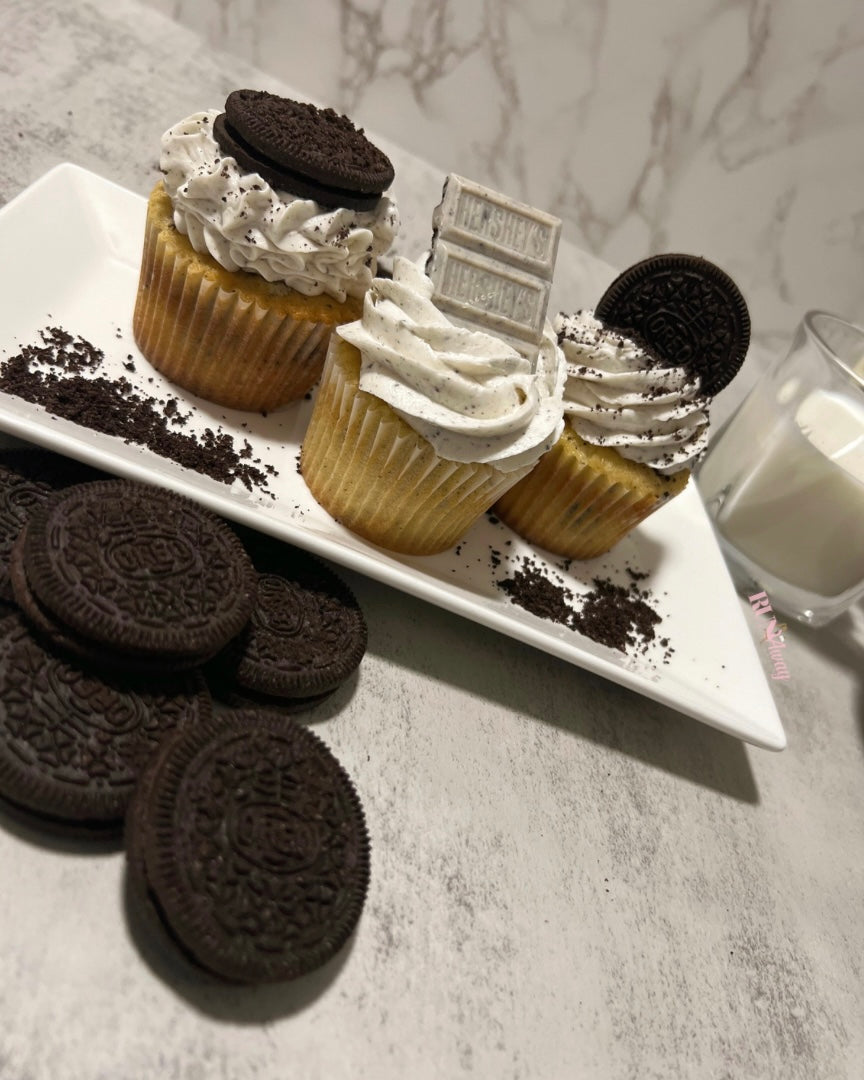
(784, 479)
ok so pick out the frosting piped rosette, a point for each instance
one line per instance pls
(618, 394)
(468, 393)
(245, 223)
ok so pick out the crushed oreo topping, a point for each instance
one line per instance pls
(58, 374)
(617, 616)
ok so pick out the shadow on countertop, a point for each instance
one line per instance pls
(840, 642)
(62, 837)
(450, 649)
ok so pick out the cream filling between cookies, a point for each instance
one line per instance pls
(617, 395)
(473, 397)
(245, 224)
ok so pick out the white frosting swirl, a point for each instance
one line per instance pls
(245, 224)
(618, 395)
(473, 397)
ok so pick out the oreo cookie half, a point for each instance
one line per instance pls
(250, 841)
(139, 569)
(314, 153)
(72, 741)
(686, 311)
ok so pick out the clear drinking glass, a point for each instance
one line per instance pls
(783, 480)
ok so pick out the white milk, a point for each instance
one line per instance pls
(801, 509)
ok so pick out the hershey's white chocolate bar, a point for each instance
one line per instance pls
(492, 261)
(492, 224)
(488, 294)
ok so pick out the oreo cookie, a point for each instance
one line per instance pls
(138, 570)
(18, 497)
(248, 839)
(684, 310)
(63, 640)
(310, 152)
(73, 741)
(305, 636)
(27, 476)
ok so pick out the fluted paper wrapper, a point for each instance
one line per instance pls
(222, 336)
(579, 501)
(372, 472)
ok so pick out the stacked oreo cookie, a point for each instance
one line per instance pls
(314, 153)
(246, 842)
(125, 600)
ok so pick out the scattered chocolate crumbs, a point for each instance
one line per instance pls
(50, 375)
(531, 589)
(614, 616)
(619, 617)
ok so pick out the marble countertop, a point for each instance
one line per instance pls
(569, 880)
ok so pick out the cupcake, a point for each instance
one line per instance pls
(667, 335)
(420, 424)
(262, 237)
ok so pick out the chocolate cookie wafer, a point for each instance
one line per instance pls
(686, 311)
(18, 496)
(63, 640)
(306, 634)
(249, 840)
(140, 570)
(72, 741)
(27, 476)
(314, 153)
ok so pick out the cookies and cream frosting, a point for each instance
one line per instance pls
(472, 396)
(619, 395)
(245, 224)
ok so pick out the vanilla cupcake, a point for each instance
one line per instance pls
(263, 235)
(420, 425)
(673, 331)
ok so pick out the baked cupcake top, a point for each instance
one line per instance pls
(471, 395)
(246, 223)
(619, 395)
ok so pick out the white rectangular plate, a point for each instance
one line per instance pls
(71, 248)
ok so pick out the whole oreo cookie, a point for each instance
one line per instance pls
(249, 840)
(64, 641)
(72, 741)
(686, 311)
(138, 569)
(305, 636)
(314, 153)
